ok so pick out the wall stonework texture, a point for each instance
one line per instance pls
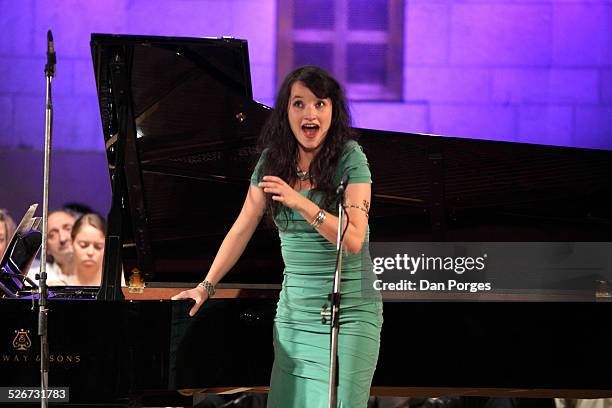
(534, 71)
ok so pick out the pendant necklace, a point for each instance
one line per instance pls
(302, 175)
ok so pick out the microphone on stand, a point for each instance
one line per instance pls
(334, 298)
(342, 185)
(51, 58)
(43, 310)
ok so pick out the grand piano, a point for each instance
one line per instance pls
(180, 127)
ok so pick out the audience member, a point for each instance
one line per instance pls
(88, 250)
(59, 247)
(7, 227)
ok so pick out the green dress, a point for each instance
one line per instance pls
(300, 372)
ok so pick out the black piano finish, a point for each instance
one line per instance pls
(434, 188)
(113, 352)
(181, 145)
(189, 150)
(185, 108)
(108, 351)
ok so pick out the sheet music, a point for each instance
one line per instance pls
(13, 279)
(28, 222)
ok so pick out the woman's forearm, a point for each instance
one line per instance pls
(353, 239)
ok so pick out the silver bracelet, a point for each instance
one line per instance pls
(318, 219)
(209, 287)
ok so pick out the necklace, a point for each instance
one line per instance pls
(302, 175)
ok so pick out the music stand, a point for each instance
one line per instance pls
(20, 252)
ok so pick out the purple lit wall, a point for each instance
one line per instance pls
(528, 71)
(525, 71)
(78, 163)
(77, 122)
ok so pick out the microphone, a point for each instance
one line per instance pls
(51, 59)
(342, 185)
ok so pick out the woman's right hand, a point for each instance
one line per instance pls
(199, 294)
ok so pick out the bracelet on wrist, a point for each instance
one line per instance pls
(318, 219)
(209, 287)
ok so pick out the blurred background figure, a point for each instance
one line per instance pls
(59, 247)
(7, 227)
(87, 241)
(59, 241)
(583, 403)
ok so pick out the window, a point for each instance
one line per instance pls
(359, 41)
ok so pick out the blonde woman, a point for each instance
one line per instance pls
(7, 228)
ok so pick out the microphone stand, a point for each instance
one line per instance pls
(42, 302)
(334, 297)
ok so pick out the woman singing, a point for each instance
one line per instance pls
(307, 148)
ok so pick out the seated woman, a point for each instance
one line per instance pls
(88, 250)
(7, 227)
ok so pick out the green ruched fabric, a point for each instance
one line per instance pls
(301, 342)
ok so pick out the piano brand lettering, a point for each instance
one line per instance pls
(29, 358)
(21, 345)
(411, 264)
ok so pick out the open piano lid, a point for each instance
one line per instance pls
(189, 129)
(180, 127)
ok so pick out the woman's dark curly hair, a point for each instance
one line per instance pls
(278, 140)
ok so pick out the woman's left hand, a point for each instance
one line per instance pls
(281, 191)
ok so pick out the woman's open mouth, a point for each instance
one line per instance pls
(310, 130)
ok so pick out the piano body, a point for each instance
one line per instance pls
(180, 127)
